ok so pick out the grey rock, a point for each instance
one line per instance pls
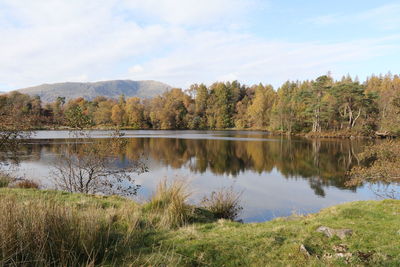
(330, 232)
(304, 250)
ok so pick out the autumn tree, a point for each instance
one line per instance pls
(221, 109)
(289, 113)
(135, 113)
(117, 115)
(201, 96)
(57, 109)
(103, 112)
(77, 119)
(174, 110)
(16, 123)
(261, 108)
(297, 106)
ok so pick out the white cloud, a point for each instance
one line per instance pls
(79, 78)
(228, 77)
(194, 12)
(135, 69)
(55, 40)
(385, 17)
(64, 40)
(326, 19)
(252, 60)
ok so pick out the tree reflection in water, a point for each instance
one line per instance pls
(321, 162)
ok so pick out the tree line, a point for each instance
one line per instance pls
(320, 105)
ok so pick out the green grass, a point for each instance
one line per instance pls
(199, 242)
(376, 226)
(69, 199)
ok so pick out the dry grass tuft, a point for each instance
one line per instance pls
(5, 180)
(168, 205)
(26, 184)
(224, 203)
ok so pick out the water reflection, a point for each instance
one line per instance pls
(321, 162)
(259, 163)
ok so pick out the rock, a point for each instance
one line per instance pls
(304, 250)
(329, 232)
(344, 255)
(343, 233)
(326, 231)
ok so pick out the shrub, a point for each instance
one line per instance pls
(224, 203)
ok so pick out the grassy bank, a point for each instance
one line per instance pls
(49, 227)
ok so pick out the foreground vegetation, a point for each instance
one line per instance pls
(324, 106)
(39, 227)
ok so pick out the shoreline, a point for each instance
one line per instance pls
(310, 135)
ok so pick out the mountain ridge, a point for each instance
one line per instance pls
(49, 92)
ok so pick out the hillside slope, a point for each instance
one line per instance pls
(89, 90)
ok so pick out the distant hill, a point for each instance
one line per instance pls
(89, 90)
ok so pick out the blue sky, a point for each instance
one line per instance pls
(181, 42)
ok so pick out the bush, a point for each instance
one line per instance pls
(224, 204)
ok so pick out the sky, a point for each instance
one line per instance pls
(181, 42)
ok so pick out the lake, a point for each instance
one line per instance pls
(278, 175)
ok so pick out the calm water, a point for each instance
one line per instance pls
(278, 175)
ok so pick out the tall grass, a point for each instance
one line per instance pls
(50, 230)
(46, 233)
(168, 207)
(5, 180)
(224, 203)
